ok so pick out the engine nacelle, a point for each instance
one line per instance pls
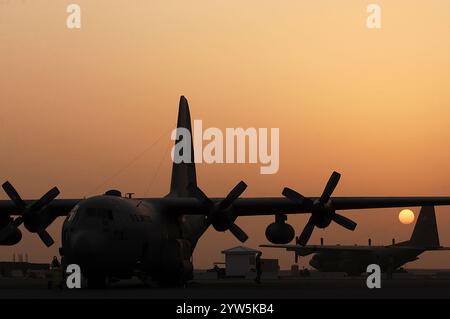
(13, 238)
(279, 232)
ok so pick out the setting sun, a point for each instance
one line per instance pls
(406, 216)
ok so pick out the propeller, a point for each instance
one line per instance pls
(322, 211)
(34, 216)
(220, 214)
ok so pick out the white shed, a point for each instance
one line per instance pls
(239, 261)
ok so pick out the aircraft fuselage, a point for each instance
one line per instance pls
(112, 236)
(355, 263)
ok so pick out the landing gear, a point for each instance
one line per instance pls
(177, 277)
(176, 267)
(146, 280)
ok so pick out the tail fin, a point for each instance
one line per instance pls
(425, 233)
(183, 173)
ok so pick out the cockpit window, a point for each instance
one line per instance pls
(103, 213)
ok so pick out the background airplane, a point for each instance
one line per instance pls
(354, 259)
(110, 236)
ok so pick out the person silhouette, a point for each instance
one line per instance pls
(55, 274)
(55, 262)
(258, 267)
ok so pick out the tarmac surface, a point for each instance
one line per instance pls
(418, 284)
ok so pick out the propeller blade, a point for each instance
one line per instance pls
(198, 193)
(233, 195)
(13, 195)
(296, 257)
(306, 233)
(344, 221)
(296, 197)
(46, 199)
(45, 237)
(329, 188)
(238, 232)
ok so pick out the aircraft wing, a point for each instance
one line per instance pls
(58, 207)
(224, 211)
(347, 203)
(249, 206)
(268, 206)
(281, 205)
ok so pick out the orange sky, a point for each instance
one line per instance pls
(77, 105)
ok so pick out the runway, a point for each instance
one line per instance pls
(420, 284)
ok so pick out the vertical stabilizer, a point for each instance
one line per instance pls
(183, 173)
(425, 233)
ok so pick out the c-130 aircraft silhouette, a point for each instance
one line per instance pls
(110, 236)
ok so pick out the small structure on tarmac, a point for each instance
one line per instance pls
(240, 262)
